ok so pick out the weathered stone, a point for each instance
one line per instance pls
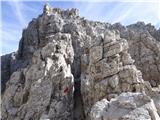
(126, 58)
(67, 66)
(96, 54)
(42, 81)
(84, 62)
(115, 48)
(132, 106)
(130, 74)
(98, 110)
(126, 87)
(46, 9)
(144, 47)
(111, 96)
(109, 36)
(100, 89)
(113, 81)
(110, 68)
(157, 103)
(110, 74)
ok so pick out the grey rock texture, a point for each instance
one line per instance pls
(110, 73)
(127, 106)
(70, 68)
(45, 88)
(144, 47)
(9, 64)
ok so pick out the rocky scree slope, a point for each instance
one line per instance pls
(68, 67)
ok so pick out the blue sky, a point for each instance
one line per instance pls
(15, 14)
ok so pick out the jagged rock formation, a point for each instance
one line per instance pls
(144, 47)
(127, 106)
(110, 71)
(9, 64)
(68, 68)
(44, 87)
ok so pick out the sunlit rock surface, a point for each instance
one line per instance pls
(70, 68)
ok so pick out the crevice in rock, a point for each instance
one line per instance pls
(22, 80)
(25, 97)
(38, 36)
(78, 111)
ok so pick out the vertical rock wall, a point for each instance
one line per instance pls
(144, 47)
(108, 70)
(68, 67)
(45, 88)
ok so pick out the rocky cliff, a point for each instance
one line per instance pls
(70, 68)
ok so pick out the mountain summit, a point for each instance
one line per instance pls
(71, 68)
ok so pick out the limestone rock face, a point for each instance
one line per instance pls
(9, 64)
(45, 88)
(109, 72)
(127, 106)
(70, 68)
(144, 47)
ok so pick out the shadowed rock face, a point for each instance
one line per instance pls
(9, 64)
(68, 67)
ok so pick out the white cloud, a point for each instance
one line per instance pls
(11, 30)
(114, 12)
(17, 8)
(158, 9)
(122, 17)
(134, 12)
(10, 38)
